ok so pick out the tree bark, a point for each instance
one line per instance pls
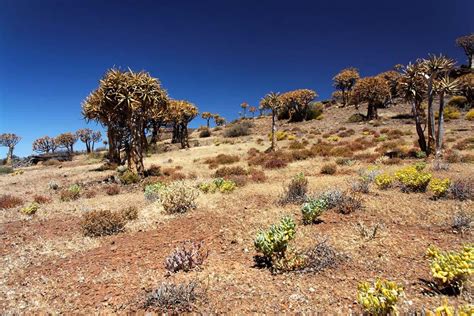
(372, 112)
(439, 135)
(431, 119)
(419, 128)
(10, 155)
(273, 131)
(114, 152)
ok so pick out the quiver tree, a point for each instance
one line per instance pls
(218, 120)
(244, 107)
(466, 87)
(9, 140)
(207, 116)
(344, 81)
(66, 141)
(391, 77)
(295, 104)
(467, 44)
(89, 138)
(272, 101)
(45, 145)
(125, 102)
(443, 86)
(252, 110)
(433, 68)
(412, 88)
(374, 91)
(180, 113)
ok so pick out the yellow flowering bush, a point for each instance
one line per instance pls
(380, 298)
(448, 310)
(334, 138)
(30, 209)
(412, 179)
(219, 184)
(452, 269)
(383, 181)
(439, 187)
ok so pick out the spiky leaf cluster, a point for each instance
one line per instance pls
(274, 241)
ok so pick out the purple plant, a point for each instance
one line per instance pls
(186, 257)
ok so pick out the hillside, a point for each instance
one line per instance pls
(49, 266)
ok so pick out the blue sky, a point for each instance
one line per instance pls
(216, 54)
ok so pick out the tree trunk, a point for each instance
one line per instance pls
(419, 128)
(114, 152)
(176, 134)
(344, 98)
(136, 148)
(439, 135)
(372, 112)
(88, 147)
(10, 155)
(273, 132)
(431, 119)
(207, 123)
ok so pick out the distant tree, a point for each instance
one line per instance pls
(9, 140)
(336, 96)
(466, 87)
(89, 138)
(443, 86)
(467, 44)
(433, 68)
(126, 102)
(374, 91)
(345, 81)
(261, 110)
(295, 104)
(272, 101)
(391, 77)
(180, 113)
(218, 120)
(412, 88)
(244, 107)
(66, 141)
(207, 116)
(252, 110)
(45, 145)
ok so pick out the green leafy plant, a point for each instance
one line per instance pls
(152, 191)
(451, 269)
(72, 193)
(439, 187)
(219, 184)
(312, 209)
(380, 298)
(31, 209)
(412, 179)
(129, 177)
(274, 241)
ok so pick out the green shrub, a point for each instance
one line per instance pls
(439, 187)
(413, 180)
(383, 181)
(71, 194)
(380, 298)
(5, 170)
(312, 209)
(315, 111)
(452, 269)
(31, 209)
(178, 197)
(356, 118)
(204, 133)
(219, 184)
(237, 129)
(152, 191)
(274, 241)
(129, 177)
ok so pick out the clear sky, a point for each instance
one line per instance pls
(216, 54)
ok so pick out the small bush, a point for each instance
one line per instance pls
(51, 162)
(413, 180)
(439, 187)
(153, 171)
(450, 113)
(348, 204)
(204, 133)
(5, 170)
(332, 197)
(451, 269)
(360, 186)
(178, 197)
(31, 209)
(312, 209)
(8, 201)
(230, 171)
(462, 189)
(275, 163)
(461, 222)
(152, 191)
(257, 175)
(383, 181)
(452, 156)
(186, 257)
(129, 213)
(295, 145)
(129, 177)
(237, 129)
(320, 257)
(459, 102)
(112, 189)
(356, 118)
(173, 298)
(296, 190)
(329, 169)
(52, 185)
(71, 194)
(470, 115)
(102, 223)
(274, 241)
(222, 159)
(380, 298)
(279, 136)
(219, 184)
(41, 199)
(333, 138)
